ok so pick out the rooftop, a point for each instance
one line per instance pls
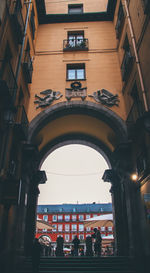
(75, 208)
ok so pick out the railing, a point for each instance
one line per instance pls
(18, 23)
(126, 65)
(9, 78)
(75, 44)
(28, 67)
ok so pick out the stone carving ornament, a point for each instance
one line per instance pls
(105, 97)
(49, 97)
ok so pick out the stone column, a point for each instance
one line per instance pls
(119, 212)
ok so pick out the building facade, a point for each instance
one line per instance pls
(74, 72)
(68, 221)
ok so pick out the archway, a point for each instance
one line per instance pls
(93, 125)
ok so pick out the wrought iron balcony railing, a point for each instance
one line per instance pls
(28, 67)
(126, 65)
(75, 44)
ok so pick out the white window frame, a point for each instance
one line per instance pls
(67, 227)
(81, 216)
(60, 228)
(110, 229)
(81, 227)
(53, 218)
(67, 237)
(54, 228)
(61, 217)
(45, 216)
(88, 216)
(74, 217)
(74, 227)
(67, 218)
(102, 228)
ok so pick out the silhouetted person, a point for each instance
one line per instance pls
(89, 251)
(59, 248)
(98, 242)
(76, 243)
(36, 252)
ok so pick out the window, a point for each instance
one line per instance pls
(54, 228)
(81, 227)
(67, 237)
(45, 218)
(81, 217)
(73, 236)
(75, 71)
(67, 227)
(74, 217)
(54, 218)
(74, 209)
(75, 9)
(45, 210)
(75, 38)
(67, 218)
(87, 216)
(60, 217)
(81, 237)
(74, 227)
(44, 230)
(102, 228)
(59, 227)
(88, 229)
(109, 228)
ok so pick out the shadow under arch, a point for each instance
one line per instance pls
(89, 109)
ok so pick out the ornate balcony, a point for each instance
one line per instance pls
(18, 23)
(28, 67)
(75, 44)
(8, 86)
(126, 65)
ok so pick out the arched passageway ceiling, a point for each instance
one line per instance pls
(77, 119)
(76, 124)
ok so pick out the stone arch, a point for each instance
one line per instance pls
(88, 109)
(84, 123)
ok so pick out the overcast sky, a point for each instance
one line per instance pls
(74, 175)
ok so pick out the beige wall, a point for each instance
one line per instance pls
(101, 61)
(61, 6)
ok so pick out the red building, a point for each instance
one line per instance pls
(68, 221)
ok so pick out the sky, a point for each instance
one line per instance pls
(74, 175)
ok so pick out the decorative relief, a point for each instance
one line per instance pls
(49, 97)
(105, 97)
(76, 91)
